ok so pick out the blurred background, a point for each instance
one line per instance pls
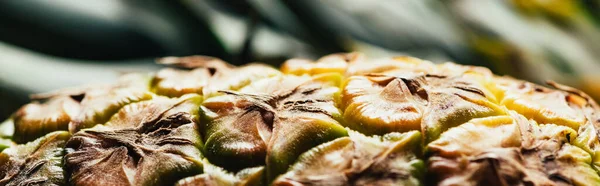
(46, 45)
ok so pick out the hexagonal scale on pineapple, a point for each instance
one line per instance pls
(539, 103)
(154, 142)
(137, 113)
(238, 78)
(363, 66)
(587, 136)
(454, 69)
(525, 154)
(35, 163)
(477, 135)
(278, 119)
(98, 102)
(399, 101)
(333, 63)
(37, 119)
(455, 100)
(380, 104)
(191, 76)
(99, 105)
(391, 159)
(175, 82)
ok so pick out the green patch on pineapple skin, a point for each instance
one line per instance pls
(37, 162)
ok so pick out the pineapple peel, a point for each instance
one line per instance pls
(343, 119)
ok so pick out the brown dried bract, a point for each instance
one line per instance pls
(523, 154)
(153, 144)
(359, 160)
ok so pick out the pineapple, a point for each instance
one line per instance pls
(341, 120)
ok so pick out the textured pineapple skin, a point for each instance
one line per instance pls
(343, 119)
